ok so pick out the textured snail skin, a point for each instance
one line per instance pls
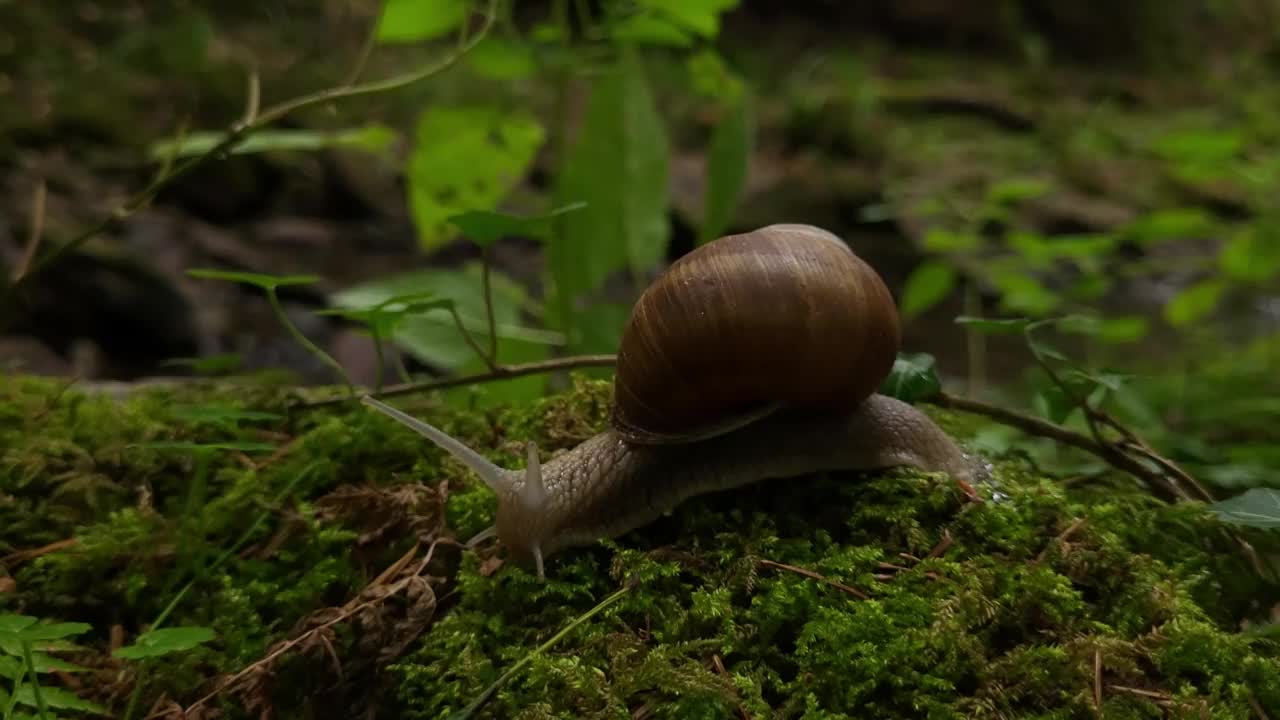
(605, 486)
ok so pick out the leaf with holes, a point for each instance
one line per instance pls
(466, 158)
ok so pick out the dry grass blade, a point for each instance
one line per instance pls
(815, 576)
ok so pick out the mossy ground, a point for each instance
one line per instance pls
(1031, 604)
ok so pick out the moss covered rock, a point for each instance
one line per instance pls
(870, 595)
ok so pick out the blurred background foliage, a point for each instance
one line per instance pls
(1114, 164)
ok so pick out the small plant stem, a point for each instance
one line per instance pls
(502, 372)
(36, 232)
(470, 340)
(485, 263)
(35, 682)
(502, 679)
(304, 341)
(382, 361)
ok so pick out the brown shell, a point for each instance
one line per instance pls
(786, 315)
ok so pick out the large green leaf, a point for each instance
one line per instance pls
(1259, 507)
(466, 159)
(618, 166)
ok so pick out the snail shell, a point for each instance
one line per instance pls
(783, 316)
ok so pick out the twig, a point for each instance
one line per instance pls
(1061, 538)
(240, 131)
(37, 230)
(253, 96)
(13, 559)
(489, 360)
(815, 576)
(351, 608)
(1097, 680)
(1257, 706)
(502, 372)
(1044, 428)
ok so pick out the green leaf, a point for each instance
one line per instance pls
(1022, 292)
(926, 286)
(650, 30)
(619, 167)
(13, 624)
(700, 16)
(466, 159)
(728, 159)
(25, 628)
(1170, 224)
(266, 282)
(484, 227)
(1127, 329)
(1016, 190)
(58, 698)
(164, 641)
(913, 378)
(1194, 302)
(1253, 253)
(940, 240)
(1199, 146)
(503, 59)
(13, 666)
(1259, 507)
(711, 77)
(995, 326)
(410, 21)
(373, 139)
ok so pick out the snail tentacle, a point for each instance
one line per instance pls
(499, 480)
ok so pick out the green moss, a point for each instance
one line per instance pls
(929, 605)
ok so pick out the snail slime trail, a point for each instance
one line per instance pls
(778, 382)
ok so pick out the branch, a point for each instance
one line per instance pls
(239, 132)
(501, 372)
(1043, 428)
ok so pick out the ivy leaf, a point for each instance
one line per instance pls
(1259, 507)
(912, 378)
(466, 159)
(928, 284)
(164, 641)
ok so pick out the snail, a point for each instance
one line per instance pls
(755, 356)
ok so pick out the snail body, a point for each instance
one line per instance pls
(754, 357)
